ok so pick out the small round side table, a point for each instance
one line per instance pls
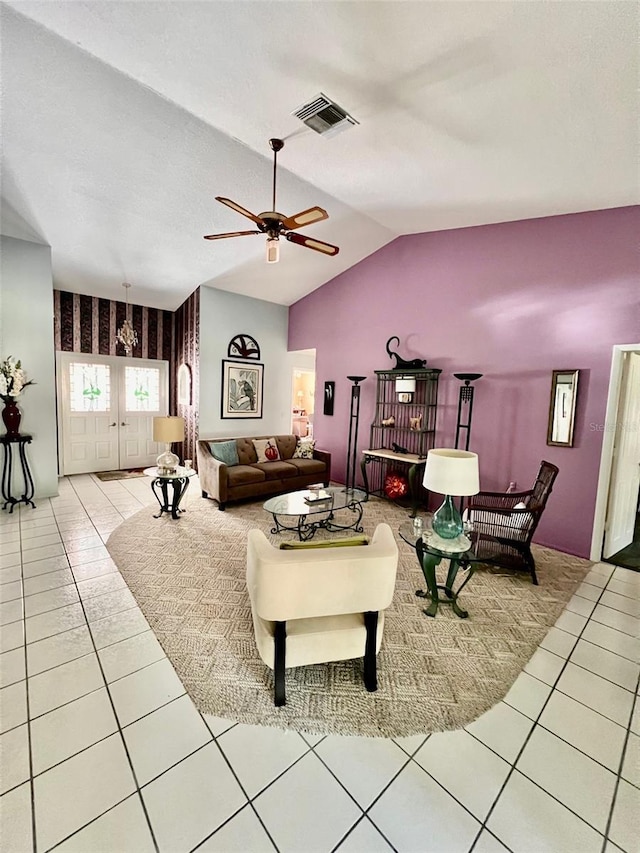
(7, 442)
(179, 482)
(429, 556)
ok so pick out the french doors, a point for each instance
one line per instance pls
(106, 406)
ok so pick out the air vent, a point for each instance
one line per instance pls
(325, 116)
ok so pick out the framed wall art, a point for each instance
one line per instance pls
(243, 346)
(329, 395)
(241, 389)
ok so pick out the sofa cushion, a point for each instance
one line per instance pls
(277, 470)
(266, 449)
(304, 449)
(225, 451)
(244, 475)
(286, 445)
(246, 451)
(308, 466)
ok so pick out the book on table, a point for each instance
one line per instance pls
(317, 496)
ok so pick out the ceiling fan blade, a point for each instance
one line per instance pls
(239, 209)
(310, 243)
(305, 217)
(230, 234)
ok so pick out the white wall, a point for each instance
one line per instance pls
(223, 315)
(26, 332)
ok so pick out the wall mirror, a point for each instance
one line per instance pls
(562, 408)
(184, 385)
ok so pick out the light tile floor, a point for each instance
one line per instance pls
(102, 750)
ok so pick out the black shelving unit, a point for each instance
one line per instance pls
(380, 457)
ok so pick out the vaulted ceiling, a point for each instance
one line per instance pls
(123, 120)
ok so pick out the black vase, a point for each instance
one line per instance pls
(11, 415)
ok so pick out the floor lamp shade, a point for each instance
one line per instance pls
(451, 473)
(167, 430)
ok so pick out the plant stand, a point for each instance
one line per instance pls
(7, 442)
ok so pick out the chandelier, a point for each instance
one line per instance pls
(126, 334)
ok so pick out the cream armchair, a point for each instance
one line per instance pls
(316, 605)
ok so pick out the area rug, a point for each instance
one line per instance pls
(188, 577)
(107, 476)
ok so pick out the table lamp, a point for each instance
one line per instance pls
(452, 473)
(168, 430)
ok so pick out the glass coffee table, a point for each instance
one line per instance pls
(429, 556)
(294, 512)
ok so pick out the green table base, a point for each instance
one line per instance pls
(428, 562)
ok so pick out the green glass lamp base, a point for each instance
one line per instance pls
(447, 521)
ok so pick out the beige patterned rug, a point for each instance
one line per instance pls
(188, 577)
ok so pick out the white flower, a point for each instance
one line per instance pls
(13, 379)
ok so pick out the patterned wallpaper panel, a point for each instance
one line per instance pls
(187, 337)
(89, 324)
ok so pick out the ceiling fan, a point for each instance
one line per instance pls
(276, 225)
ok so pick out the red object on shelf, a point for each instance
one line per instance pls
(395, 486)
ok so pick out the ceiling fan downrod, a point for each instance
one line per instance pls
(276, 145)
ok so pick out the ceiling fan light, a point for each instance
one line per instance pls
(273, 250)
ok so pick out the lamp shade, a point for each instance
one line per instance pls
(168, 429)
(405, 385)
(452, 472)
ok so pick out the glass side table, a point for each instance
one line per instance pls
(179, 482)
(429, 556)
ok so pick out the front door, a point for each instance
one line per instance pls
(106, 407)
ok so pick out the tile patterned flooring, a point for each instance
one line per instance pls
(102, 750)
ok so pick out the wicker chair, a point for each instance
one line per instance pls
(504, 523)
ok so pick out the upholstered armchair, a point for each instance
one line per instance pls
(315, 605)
(504, 523)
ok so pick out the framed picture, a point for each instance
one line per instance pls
(329, 394)
(241, 389)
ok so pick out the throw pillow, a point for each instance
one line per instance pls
(521, 520)
(225, 451)
(304, 449)
(335, 543)
(267, 449)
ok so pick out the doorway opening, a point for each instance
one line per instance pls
(106, 406)
(629, 557)
(616, 529)
(303, 390)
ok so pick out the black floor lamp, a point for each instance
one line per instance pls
(465, 406)
(354, 417)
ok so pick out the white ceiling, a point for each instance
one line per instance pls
(123, 120)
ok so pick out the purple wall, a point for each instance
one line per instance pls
(512, 301)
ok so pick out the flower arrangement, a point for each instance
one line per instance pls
(13, 379)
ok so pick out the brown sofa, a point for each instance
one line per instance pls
(250, 478)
